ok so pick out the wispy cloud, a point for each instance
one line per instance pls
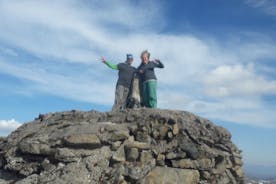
(62, 42)
(267, 6)
(72, 30)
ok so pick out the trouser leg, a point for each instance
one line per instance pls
(152, 98)
(149, 94)
(121, 94)
(125, 96)
(145, 95)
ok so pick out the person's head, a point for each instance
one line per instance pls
(145, 56)
(129, 59)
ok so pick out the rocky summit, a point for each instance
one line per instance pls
(147, 146)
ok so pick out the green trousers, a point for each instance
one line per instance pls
(149, 94)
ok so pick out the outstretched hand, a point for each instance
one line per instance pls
(103, 59)
(156, 60)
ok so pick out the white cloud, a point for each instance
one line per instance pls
(267, 6)
(237, 80)
(7, 126)
(72, 30)
(65, 40)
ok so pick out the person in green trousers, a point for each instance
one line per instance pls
(125, 73)
(149, 80)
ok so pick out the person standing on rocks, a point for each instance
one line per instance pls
(126, 72)
(149, 80)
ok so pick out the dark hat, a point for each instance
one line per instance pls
(129, 56)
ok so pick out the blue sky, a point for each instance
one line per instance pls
(219, 57)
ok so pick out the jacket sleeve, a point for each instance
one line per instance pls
(159, 64)
(152, 65)
(110, 65)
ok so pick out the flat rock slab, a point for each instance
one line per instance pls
(82, 140)
(165, 175)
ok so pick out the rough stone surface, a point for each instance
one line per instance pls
(129, 146)
(168, 175)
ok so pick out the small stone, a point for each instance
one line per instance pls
(205, 175)
(119, 155)
(115, 145)
(132, 154)
(131, 139)
(171, 155)
(145, 157)
(155, 134)
(102, 129)
(46, 165)
(175, 129)
(139, 145)
(160, 160)
(189, 148)
(123, 182)
(119, 135)
(170, 135)
(237, 161)
(201, 164)
(60, 165)
(138, 171)
(163, 131)
(160, 157)
(65, 155)
(238, 172)
(143, 137)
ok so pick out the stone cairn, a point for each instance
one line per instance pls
(147, 146)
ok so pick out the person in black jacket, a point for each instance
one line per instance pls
(125, 73)
(149, 80)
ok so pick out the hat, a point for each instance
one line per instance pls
(129, 56)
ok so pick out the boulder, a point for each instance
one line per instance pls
(168, 175)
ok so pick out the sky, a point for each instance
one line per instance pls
(219, 59)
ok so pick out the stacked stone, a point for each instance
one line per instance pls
(130, 146)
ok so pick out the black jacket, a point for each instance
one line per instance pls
(147, 70)
(125, 74)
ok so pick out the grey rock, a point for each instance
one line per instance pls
(132, 154)
(188, 147)
(126, 146)
(34, 147)
(83, 140)
(137, 172)
(145, 156)
(71, 173)
(119, 155)
(171, 175)
(178, 155)
(200, 164)
(160, 160)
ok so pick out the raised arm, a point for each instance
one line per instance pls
(158, 63)
(110, 65)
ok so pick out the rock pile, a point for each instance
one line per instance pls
(147, 146)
